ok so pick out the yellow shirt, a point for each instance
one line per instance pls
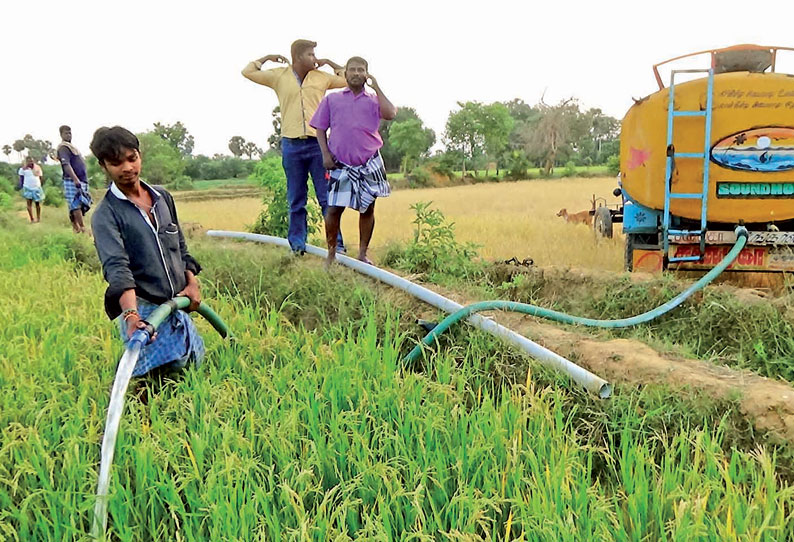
(298, 101)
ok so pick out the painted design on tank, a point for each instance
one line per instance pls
(765, 150)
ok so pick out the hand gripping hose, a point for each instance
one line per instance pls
(123, 374)
(540, 312)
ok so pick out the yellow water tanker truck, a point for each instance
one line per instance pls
(712, 150)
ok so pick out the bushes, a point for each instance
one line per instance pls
(7, 186)
(269, 173)
(441, 167)
(517, 165)
(434, 250)
(419, 178)
(52, 175)
(9, 171)
(182, 183)
(6, 202)
(96, 175)
(274, 219)
(224, 167)
(162, 163)
(613, 164)
(53, 196)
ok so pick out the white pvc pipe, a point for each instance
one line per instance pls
(585, 378)
(115, 408)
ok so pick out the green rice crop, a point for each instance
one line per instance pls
(310, 427)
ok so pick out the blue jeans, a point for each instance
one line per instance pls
(299, 158)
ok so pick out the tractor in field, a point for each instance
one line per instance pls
(712, 150)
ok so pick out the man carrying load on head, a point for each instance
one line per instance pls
(299, 86)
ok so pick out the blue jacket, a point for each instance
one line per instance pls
(151, 258)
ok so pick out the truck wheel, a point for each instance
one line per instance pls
(628, 260)
(602, 222)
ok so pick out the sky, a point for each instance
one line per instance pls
(100, 63)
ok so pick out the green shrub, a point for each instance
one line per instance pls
(441, 167)
(9, 171)
(6, 202)
(222, 167)
(53, 196)
(517, 165)
(434, 251)
(161, 161)
(613, 164)
(570, 169)
(182, 183)
(269, 173)
(419, 178)
(7, 186)
(53, 174)
(274, 219)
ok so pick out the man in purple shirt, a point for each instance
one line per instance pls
(356, 175)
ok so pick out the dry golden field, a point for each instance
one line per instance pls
(506, 219)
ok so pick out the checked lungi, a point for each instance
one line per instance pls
(77, 198)
(358, 186)
(33, 194)
(178, 341)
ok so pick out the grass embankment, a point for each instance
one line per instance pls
(720, 324)
(310, 427)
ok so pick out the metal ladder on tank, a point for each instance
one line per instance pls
(672, 155)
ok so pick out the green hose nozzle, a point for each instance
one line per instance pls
(162, 312)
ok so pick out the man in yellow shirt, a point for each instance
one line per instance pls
(300, 87)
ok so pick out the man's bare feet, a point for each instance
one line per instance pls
(330, 260)
(363, 258)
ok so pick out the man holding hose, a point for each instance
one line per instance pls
(144, 256)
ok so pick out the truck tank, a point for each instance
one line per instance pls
(720, 155)
(751, 172)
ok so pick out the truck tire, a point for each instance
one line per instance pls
(602, 222)
(628, 258)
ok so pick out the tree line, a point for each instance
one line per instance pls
(506, 135)
(512, 136)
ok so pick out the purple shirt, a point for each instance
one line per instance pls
(66, 156)
(354, 121)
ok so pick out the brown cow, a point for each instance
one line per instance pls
(582, 217)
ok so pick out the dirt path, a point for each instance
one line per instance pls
(769, 404)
